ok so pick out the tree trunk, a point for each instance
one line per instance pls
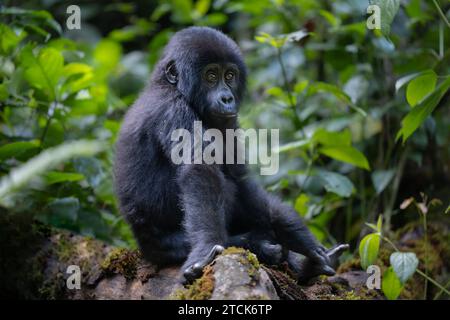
(34, 262)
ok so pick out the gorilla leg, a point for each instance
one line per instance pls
(204, 193)
(164, 249)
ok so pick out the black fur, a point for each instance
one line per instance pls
(178, 213)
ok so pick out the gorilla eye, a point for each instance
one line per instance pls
(211, 76)
(229, 75)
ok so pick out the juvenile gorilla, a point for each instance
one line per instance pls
(190, 212)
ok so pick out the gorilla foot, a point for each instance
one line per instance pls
(195, 270)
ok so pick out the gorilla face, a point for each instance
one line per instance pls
(220, 82)
(215, 89)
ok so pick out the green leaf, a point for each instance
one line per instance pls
(346, 154)
(329, 138)
(3, 92)
(336, 183)
(372, 226)
(381, 179)
(330, 88)
(53, 177)
(202, 7)
(44, 71)
(380, 223)
(391, 285)
(9, 40)
(301, 204)
(275, 92)
(15, 149)
(107, 54)
(389, 9)
(419, 113)
(79, 75)
(404, 264)
(368, 249)
(400, 83)
(420, 87)
(337, 92)
(332, 20)
(300, 86)
(276, 42)
(181, 11)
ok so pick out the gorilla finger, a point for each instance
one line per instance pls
(337, 250)
(329, 271)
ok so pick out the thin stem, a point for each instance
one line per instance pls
(285, 79)
(308, 167)
(395, 188)
(288, 91)
(426, 253)
(441, 13)
(432, 281)
(438, 295)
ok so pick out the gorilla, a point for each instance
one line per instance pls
(188, 213)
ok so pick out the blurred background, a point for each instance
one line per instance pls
(363, 114)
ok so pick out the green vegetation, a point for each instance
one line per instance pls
(363, 116)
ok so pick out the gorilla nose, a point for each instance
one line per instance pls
(227, 99)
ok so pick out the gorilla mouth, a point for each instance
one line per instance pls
(227, 115)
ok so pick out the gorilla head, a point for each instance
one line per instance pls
(207, 68)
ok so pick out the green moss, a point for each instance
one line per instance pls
(233, 250)
(247, 258)
(121, 261)
(64, 249)
(253, 259)
(201, 289)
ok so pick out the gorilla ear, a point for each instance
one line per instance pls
(171, 72)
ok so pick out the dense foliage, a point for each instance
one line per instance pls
(363, 114)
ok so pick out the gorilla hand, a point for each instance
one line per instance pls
(320, 261)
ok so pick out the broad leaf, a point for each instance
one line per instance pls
(301, 204)
(9, 40)
(419, 113)
(15, 149)
(420, 87)
(381, 179)
(44, 71)
(391, 285)
(329, 138)
(57, 177)
(337, 92)
(336, 183)
(404, 264)
(346, 154)
(368, 249)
